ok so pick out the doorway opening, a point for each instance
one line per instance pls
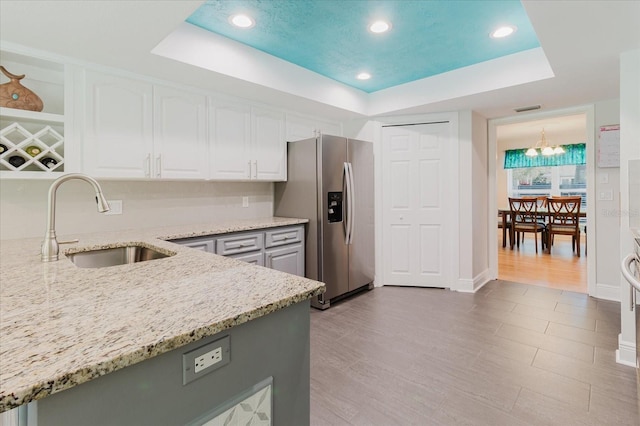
(519, 175)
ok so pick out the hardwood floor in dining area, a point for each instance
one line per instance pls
(511, 354)
(561, 269)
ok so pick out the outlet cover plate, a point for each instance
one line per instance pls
(115, 207)
(189, 359)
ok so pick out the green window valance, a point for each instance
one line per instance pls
(574, 154)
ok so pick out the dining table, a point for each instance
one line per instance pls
(543, 213)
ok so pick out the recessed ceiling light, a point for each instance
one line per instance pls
(379, 27)
(503, 31)
(363, 76)
(242, 21)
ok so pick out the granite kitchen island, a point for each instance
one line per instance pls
(106, 345)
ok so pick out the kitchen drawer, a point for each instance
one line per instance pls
(239, 243)
(199, 243)
(282, 236)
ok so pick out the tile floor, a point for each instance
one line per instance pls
(511, 354)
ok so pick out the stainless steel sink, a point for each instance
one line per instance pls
(102, 258)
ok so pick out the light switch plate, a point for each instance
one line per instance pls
(603, 177)
(606, 195)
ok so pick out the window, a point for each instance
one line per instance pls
(570, 180)
(557, 175)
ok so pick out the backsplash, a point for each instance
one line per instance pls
(23, 210)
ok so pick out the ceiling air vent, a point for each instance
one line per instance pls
(527, 108)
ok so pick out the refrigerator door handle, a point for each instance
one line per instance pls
(352, 202)
(345, 201)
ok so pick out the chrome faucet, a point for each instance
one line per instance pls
(50, 246)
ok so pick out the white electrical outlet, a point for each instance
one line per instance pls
(245, 201)
(115, 207)
(207, 360)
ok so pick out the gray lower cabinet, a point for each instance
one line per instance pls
(255, 258)
(288, 258)
(281, 248)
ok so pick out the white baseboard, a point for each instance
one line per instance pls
(608, 292)
(475, 284)
(626, 352)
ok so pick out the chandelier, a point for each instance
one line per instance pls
(544, 147)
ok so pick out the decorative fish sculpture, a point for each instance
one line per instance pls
(15, 95)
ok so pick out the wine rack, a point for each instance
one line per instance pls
(31, 141)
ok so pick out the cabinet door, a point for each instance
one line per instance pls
(254, 258)
(299, 128)
(268, 145)
(229, 140)
(180, 134)
(327, 128)
(118, 134)
(289, 259)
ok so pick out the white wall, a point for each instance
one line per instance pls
(629, 150)
(473, 266)
(480, 196)
(607, 220)
(145, 205)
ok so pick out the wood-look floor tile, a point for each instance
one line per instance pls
(541, 410)
(613, 410)
(609, 380)
(521, 335)
(578, 299)
(491, 346)
(405, 356)
(511, 318)
(496, 391)
(592, 312)
(546, 382)
(459, 409)
(581, 335)
(607, 327)
(555, 316)
(408, 394)
(522, 299)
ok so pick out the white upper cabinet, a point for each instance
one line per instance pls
(181, 150)
(230, 140)
(299, 128)
(268, 144)
(134, 129)
(247, 143)
(118, 132)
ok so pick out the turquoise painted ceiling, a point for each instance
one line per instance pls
(331, 37)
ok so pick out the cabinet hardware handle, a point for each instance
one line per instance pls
(250, 170)
(255, 175)
(147, 167)
(158, 166)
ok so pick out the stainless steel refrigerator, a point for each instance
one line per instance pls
(330, 182)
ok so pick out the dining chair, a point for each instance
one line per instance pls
(564, 219)
(506, 231)
(524, 218)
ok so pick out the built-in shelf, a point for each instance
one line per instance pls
(33, 142)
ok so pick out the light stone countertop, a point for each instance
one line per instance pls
(61, 325)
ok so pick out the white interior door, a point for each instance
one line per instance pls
(416, 228)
